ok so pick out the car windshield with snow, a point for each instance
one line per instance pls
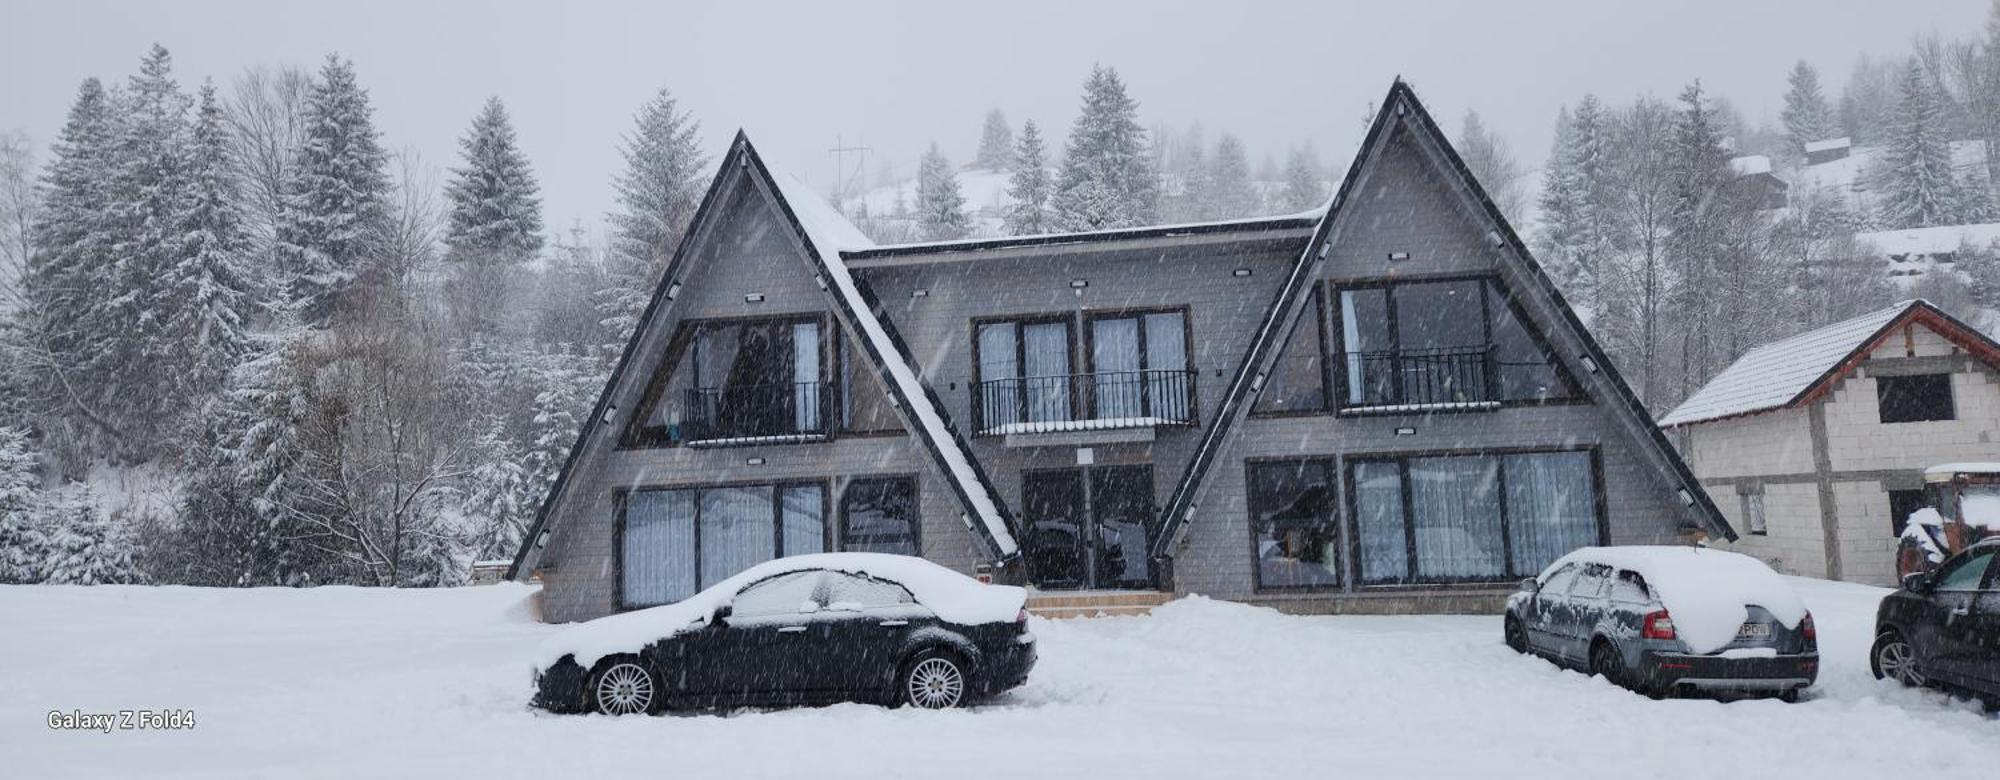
(1664, 620)
(825, 627)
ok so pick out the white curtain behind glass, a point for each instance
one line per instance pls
(658, 560)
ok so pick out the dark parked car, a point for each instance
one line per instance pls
(1943, 627)
(809, 628)
(1612, 612)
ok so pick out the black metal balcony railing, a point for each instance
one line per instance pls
(1103, 399)
(753, 411)
(1419, 377)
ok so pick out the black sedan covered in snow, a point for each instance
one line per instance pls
(1663, 620)
(809, 628)
(1942, 628)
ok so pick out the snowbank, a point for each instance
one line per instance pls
(1705, 590)
(953, 596)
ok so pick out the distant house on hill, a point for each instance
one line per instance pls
(1815, 445)
(1912, 253)
(1828, 150)
(1756, 184)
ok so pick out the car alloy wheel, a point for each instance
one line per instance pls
(1604, 663)
(1517, 638)
(935, 683)
(1896, 660)
(624, 689)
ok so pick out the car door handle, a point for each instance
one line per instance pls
(790, 629)
(1961, 611)
(893, 623)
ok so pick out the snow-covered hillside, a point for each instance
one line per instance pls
(347, 682)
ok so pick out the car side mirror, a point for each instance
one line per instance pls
(1531, 585)
(722, 613)
(1916, 582)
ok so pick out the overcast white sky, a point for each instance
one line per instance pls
(899, 75)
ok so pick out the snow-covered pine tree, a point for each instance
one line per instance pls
(1694, 241)
(82, 546)
(1559, 207)
(1029, 185)
(1807, 116)
(21, 541)
(337, 206)
(1303, 187)
(493, 221)
(996, 143)
(69, 271)
(212, 293)
(495, 215)
(940, 204)
(1107, 178)
(1231, 194)
(1919, 188)
(657, 195)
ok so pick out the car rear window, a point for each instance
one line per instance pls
(1628, 587)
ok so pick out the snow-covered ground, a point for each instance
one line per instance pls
(344, 682)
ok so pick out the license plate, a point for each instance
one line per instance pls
(1753, 631)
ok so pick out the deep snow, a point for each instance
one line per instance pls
(345, 682)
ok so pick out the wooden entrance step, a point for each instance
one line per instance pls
(1094, 603)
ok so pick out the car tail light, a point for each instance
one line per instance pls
(1021, 619)
(1806, 627)
(1659, 625)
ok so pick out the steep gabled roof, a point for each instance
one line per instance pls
(822, 234)
(1401, 106)
(1793, 371)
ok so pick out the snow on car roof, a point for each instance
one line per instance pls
(1706, 591)
(954, 597)
(1773, 375)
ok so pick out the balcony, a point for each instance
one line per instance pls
(1420, 380)
(1101, 401)
(772, 413)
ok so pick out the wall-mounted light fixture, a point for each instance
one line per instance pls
(1493, 237)
(921, 292)
(753, 461)
(1078, 284)
(1240, 273)
(673, 290)
(1398, 256)
(1406, 431)
(1589, 364)
(1687, 499)
(542, 539)
(820, 280)
(754, 298)
(608, 411)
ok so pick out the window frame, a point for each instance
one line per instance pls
(1086, 335)
(621, 502)
(916, 507)
(1333, 342)
(1019, 322)
(1898, 520)
(1315, 299)
(1883, 391)
(1341, 525)
(1509, 574)
(637, 435)
(846, 361)
(1751, 503)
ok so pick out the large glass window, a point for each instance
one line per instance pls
(864, 403)
(677, 542)
(1139, 366)
(1024, 373)
(1439, 343)
(1471, 518)
(879, 515)
(1298, 381)
(741, 379)
(1915, 398)
(1293, 519)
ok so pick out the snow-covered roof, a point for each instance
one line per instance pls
(1829, 144)
(1302, 221)
(1948, 469)
(1707, 592)
(1776, 374)
(1932, 240)
(828, 233)
(954, 597)
(1750, 164)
